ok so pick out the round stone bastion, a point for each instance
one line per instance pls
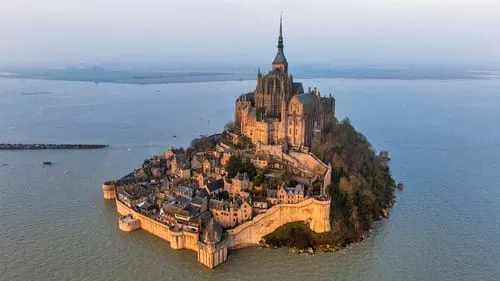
(128, 223)
(108, 190)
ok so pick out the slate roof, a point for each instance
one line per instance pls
(181, 200)
(184, 189)
(202, 193)
(147, 206)
(218, 204)
(171, 209)
(298, 189)
(272, 193)
(259, 199)
(213, 186)
(305, 98)
(280, 57)
(197, 200)
(249, 97)
(297, 88)
(212, 232)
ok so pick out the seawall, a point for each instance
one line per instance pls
(177, 239)
(312, 211)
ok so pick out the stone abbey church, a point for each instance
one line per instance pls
(278, 111)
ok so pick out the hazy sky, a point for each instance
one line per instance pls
(245, 31)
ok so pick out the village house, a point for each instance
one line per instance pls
(225, 157)
(185, 191)
(197, 161)
(230, 213)
(132, 197)
(214, 187)
(259, 205)
(200, 202)
(260, 162)
(147, 208)
(272, 196)
(240, 183)
(291, 195)
(178, 162)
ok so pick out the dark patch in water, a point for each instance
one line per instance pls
(36, 93)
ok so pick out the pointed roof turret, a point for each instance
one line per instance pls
(212, 234)
(280, 38)
(280, 61)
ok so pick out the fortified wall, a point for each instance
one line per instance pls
(315, 213)
(178, 239)
(297, 158)
(310, 161)
(312, 211)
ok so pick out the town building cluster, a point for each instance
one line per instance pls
(185, 191)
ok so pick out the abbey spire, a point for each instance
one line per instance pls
(279, 62)
(280, 38)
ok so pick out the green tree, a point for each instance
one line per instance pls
(237, 164)
(361, 186)
(202, 144)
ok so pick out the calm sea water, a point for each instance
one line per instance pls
(443, 137)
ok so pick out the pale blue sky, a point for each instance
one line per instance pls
(331, 31)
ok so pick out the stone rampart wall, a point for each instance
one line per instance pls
(314, 212)
(276, 151)
(178, 240)
(310, 161)
(303, 161)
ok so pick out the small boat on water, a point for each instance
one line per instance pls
(400, 186)
(47, 163)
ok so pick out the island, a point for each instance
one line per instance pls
(285, 172)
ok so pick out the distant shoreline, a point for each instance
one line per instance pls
(189, 77)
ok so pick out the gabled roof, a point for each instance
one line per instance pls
(181, 201)
(298, 189)
(272, 193)
(184, 189)
(218, 204)
(212, 232)
(171, 209)
(202, 193)
(197, 200)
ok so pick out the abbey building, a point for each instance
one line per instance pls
(279, 111)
